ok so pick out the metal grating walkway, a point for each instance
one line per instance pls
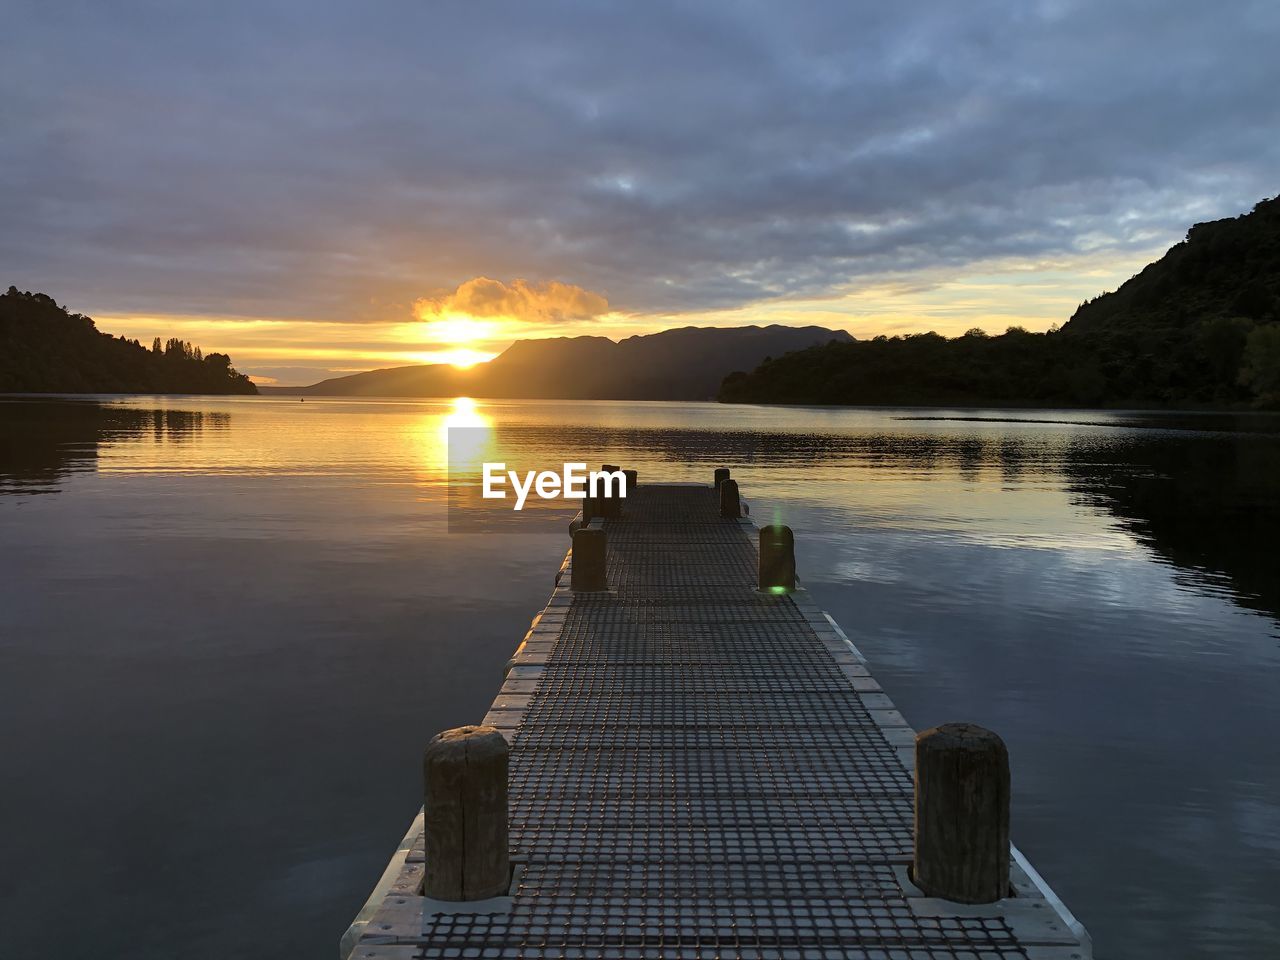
(699, 770)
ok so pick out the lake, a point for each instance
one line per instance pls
(229, 626)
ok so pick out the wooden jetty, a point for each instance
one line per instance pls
(700, 764)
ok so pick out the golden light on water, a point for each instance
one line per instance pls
(450, 439)
(467, 436)
(465, 413)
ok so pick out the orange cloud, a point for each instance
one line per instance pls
(549, 302)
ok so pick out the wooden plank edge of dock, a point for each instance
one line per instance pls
(396, 908)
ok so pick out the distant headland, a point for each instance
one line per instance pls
(45, 349)
(1200, 327)
(686, 363)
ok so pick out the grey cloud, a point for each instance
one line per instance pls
(308, 159)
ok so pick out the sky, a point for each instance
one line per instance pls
(324, 187)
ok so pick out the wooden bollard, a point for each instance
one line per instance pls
(722, 474)
(465, 808)
(633, 478)
(962, 814)
(609, 506)
(590, 510)
(589, 560)
(730, 506)
(777, 558)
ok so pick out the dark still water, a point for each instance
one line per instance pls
(228, 627)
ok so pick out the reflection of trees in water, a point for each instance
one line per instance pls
(1206, 501)
(176, 426)
(1208, 505)
(43, 441)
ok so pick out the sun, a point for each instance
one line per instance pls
(459, 328)
(463, 359)
(465, 333)
(455, 339)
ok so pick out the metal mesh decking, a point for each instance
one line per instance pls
(697, 773)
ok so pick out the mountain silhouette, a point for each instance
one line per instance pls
(687, 363)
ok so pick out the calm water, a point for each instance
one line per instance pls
(227, 628)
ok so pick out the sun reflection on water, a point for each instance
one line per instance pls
(467, 437)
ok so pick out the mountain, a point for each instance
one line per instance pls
(1223, 269)
(682, 364)
(1200, 327)
(45, 349)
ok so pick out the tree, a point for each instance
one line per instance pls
(46, 349)
(1260, 367)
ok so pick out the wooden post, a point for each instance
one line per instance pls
(729, 504)
(465, 776)
(777, 558)
(590, 509)
(589, 560)
(633, 479)
(722, 474)
(609, 506)
(962, 814)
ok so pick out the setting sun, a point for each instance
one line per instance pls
(462, 359)
(459, 328)
(466, 332)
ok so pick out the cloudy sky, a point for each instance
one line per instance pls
(322, 187)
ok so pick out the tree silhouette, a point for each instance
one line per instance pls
(45, 349)
(1199, 327)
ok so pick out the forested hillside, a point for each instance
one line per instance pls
(1200, 328)
(45, 349)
